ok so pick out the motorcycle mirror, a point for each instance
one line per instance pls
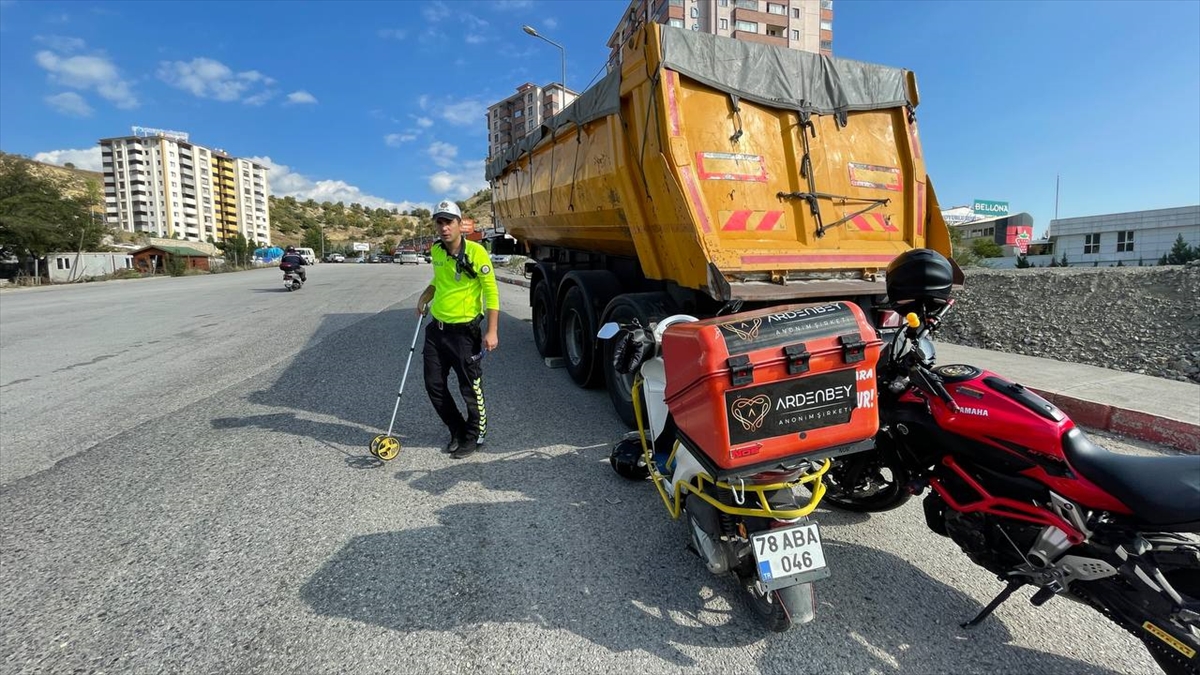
(608, 330)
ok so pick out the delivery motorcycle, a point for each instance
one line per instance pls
(291, 278)
(733, 414)
(1022, 490)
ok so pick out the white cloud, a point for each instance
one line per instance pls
(475, 39)
(464, 113)
(58, 43)
(423, 122)
(443, 154)
(209, 78)
(261, 98)
(69, 103)
(88, 72)
(88, 159)
(396, 140)
(393, 33)
(286, 183)
(550, 22)
(436, 11)
(301, 97)
(512, 4)
(459, 184)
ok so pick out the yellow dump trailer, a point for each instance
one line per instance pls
(708, 171)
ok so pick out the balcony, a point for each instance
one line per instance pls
(762, 18)
(778, 41)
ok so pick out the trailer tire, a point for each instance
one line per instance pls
(545, 321)
(579, 339)
(646, 308)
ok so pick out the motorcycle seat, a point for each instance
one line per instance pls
(1161, 491)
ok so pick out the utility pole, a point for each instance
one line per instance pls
(1056, 177)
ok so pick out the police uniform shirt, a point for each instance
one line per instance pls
(459, 298)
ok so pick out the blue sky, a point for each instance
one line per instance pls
(383, 102)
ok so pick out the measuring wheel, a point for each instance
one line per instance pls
(385, 447)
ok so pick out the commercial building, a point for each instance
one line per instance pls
(795, 24)
(1131, 238)
(509, 120)
(159, 183)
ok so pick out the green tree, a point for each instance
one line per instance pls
(960, 251)
(986, 248)
(37, 218)
(1023, 262)
(1063, 262)
(312, 239)
(237, 250)
(1181, 253)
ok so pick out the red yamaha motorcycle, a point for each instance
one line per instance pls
(1022, 490)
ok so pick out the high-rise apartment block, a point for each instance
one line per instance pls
(509, 120)
(159, 183)
(795, 24)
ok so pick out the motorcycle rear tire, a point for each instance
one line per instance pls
(891, 496)
(783, 608)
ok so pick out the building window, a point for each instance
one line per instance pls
(529, 111)
(518, 113)
(724, 3)
(724, 24)
(63, 263)
(796, 13)
(675, 23)
(826, 24)
(1091, 243)
(748, 4)
(773, 8)
(826, 4)
(695, 12)
(746, 26)
(1124, 241)
(795, 35)
(827, 45)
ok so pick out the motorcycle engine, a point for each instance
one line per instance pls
(995, 544)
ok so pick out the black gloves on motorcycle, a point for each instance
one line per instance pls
(629, 353)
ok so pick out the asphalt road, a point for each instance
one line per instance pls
(186, 488)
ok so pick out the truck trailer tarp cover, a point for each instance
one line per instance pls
(772, 76)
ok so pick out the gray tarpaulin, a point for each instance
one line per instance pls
(765, 74)
(782, 78)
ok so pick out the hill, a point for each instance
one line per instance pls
(301, 223)
(71, 181)
(293, 222)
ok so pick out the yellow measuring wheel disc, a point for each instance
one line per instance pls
(385, 447)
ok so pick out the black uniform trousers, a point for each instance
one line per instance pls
(452, 347)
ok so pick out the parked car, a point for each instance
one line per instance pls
(406, 257)
(498, 259)
(335, 258)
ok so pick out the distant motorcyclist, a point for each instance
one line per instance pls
(294, 262)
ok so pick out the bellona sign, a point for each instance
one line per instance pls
(989, 209)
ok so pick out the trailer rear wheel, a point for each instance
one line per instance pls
(579, 339)
(646, 308)
(545, 321)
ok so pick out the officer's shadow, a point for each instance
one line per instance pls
(585, 551)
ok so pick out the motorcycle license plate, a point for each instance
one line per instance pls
(789, 555)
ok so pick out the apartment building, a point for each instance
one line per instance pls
(160, 183)
(509, 120)
(795, 24)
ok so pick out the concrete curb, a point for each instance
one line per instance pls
(1178, 434)
(515, 281)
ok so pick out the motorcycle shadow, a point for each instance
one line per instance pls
(882, 614)
(570, 546)
(592, 557)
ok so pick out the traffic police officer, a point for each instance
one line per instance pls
(463, 290)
